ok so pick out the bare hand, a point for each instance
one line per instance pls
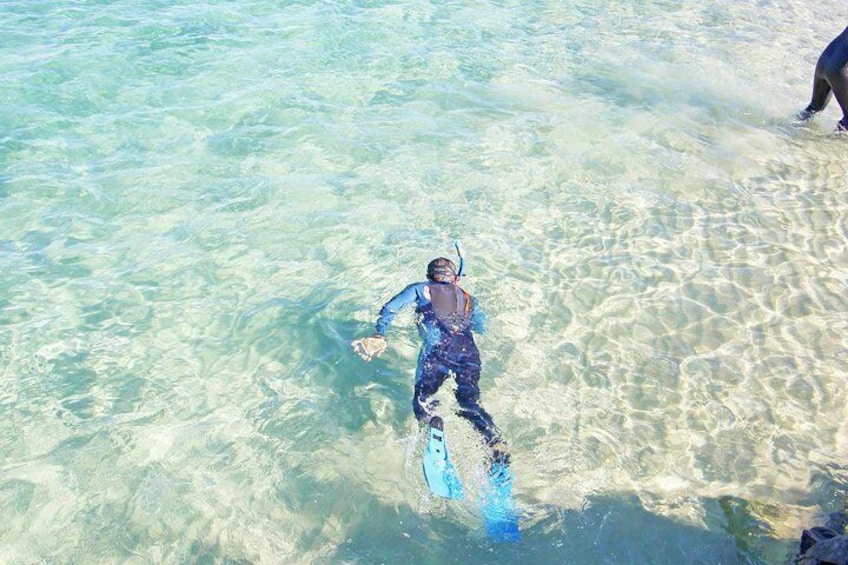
(370, 347)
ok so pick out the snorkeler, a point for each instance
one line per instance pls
(831, 78)
(446, 316)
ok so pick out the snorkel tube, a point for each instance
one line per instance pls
(461, 270)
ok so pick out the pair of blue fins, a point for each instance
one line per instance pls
(496, 503)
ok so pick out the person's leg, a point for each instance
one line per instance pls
(468, 397)
(839, 85)
(429, 376)
(820, 98)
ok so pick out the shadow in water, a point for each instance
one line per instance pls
(614, 529)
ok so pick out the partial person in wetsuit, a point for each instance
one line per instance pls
(831, 79)
(825, 545)
(446, 315)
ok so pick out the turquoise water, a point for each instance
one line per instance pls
(203, 203)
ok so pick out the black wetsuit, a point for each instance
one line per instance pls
(446, 315)
(825, 545)
(831, 79)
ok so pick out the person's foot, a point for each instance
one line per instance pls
(842, 127)
(500, 452)
(806, 114)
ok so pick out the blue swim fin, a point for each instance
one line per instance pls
(497, 505)
(439, 472)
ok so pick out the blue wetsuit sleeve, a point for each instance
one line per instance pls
(405, 297)
(479, 321)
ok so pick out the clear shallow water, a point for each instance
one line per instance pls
(202, 204)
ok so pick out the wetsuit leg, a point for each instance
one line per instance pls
(839, 84)
(821, 96)
(468, 397)
(429, 376)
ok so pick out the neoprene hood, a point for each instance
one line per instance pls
(441, 270)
